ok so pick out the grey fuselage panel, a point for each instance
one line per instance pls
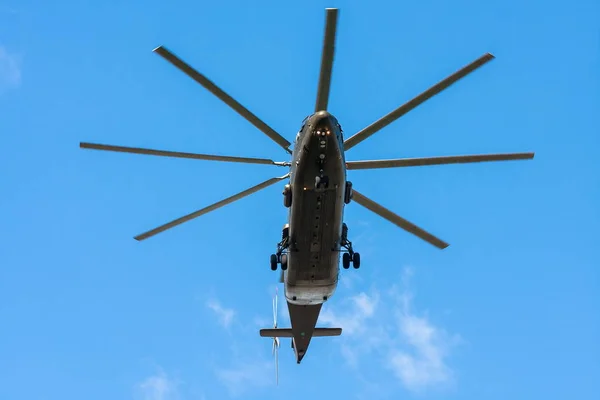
(318, 182)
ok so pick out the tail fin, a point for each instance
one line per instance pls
(287, 332)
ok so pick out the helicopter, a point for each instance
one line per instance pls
(316, 193)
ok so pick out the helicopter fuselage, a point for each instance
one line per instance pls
(318, 186)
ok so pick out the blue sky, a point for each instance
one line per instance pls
(508, 311)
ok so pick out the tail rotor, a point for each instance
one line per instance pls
(276, 339)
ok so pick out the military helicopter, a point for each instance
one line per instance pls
(316, 193)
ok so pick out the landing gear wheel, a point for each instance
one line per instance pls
(356, 260)
(273, 262)
(284, 261)
(346, 260)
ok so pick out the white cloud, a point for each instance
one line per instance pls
(423, 364)
(225, 315)
(158, 387)
(244, 376)
(10, 72)
(383, 324)
(247, 369)
(262, 322)
(353, 321)
(242, 373)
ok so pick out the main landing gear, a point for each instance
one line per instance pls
(281, 256)
(350, 256)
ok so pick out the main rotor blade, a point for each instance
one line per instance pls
(210, 208)
(403, 109)
(230, 101)
(178, 154)
(327, 60)
(415, 162)
(396, 219)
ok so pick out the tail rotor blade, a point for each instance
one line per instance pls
(405, 108)
(276, 339)
(210, 208)
(327, 60)
(277, 364)
(227, 99)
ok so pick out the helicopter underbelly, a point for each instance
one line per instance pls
(315, 228)
(309, 294)
(313, 256)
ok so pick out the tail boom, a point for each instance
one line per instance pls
(303, 319)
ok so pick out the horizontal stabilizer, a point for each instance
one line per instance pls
(287, 332)
(319, 332)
